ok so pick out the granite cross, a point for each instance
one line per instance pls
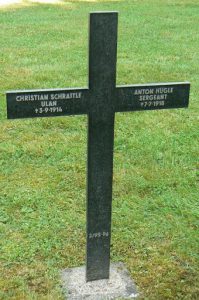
(100, 101)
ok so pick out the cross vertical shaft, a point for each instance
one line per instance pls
(102, 80)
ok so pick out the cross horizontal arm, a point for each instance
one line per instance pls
(47, 103)
(152, 96)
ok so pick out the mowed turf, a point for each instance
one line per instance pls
(43, 161)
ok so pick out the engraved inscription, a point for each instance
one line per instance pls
(47, 103)
(35, 97)
(47, 110)
(52, 96)
(48, 107)
(98, 235)
(62, 96)
(153, 97)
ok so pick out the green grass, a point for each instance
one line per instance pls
(43, 161)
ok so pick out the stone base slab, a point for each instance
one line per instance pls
(118, 286)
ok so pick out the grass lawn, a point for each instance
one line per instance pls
(43, 161)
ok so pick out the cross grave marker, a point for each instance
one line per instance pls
(100, 101)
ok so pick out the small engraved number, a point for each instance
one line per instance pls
(98, 235)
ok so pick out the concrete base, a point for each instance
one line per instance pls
(118, 286)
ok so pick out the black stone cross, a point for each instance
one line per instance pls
(101, 100)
